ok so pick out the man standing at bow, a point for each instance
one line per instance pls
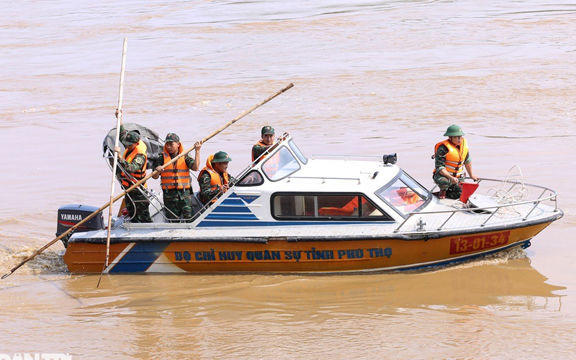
(451, 157)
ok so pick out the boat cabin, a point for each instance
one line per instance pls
(285, 187)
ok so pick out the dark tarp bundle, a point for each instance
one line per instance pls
(153, 142)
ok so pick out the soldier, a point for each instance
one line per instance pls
(264, 143)
(175, 179)
(214, 178)
(449, 156)
(134, 163)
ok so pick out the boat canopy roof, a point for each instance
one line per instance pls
(287, 171)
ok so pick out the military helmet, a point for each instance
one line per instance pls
(267, 130)
(454, 130)
(221, 156)
(130, 138)
(172, 137)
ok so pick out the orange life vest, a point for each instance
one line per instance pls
(140, 174)
(346, 210)
(176, 175)
(408, 196)
(215, 178)
(455, 157)
(259, 143)
(271, 164)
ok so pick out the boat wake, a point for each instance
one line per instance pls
(490, 259)
(48, 262)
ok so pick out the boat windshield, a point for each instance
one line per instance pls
(404, 195)
(280, 165)
(298, 153)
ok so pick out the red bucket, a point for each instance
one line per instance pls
(467, 191)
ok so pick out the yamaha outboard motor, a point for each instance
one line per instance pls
(72, 214)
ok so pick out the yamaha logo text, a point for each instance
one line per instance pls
(68, 217)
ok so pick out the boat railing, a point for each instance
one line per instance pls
(323, 178)
(511, 203)
(347, 157)
(242, 174)
(159, 210)
(156, 205)
(275, 146)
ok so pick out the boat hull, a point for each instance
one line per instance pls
(329, 255)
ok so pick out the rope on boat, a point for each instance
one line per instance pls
(510, 194)
(506, 193)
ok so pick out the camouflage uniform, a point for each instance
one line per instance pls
(205, 179)
(453, 191)
(259, 148)
(178, 202)
(137, 203)
(206, 193)
(122, 132)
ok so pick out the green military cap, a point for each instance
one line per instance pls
(172, 137)
(267, 130)
(221, 156)
(454, 130)
(130, 138)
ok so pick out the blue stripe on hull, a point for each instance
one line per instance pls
(231, 209)
(232, 217)
(237, 202)
(140, 257)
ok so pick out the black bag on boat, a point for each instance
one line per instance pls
(153, 142)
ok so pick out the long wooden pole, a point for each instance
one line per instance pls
(115, 162)
(39, 251)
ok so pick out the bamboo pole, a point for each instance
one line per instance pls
(222, 128)
(115, 162)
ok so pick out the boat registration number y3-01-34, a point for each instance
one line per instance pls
(466, 244)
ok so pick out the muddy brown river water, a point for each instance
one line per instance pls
(371, 77)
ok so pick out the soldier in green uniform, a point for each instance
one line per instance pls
(175, 179)
(132, 169)
(451, 156)
(214, 178)
(264, 143)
